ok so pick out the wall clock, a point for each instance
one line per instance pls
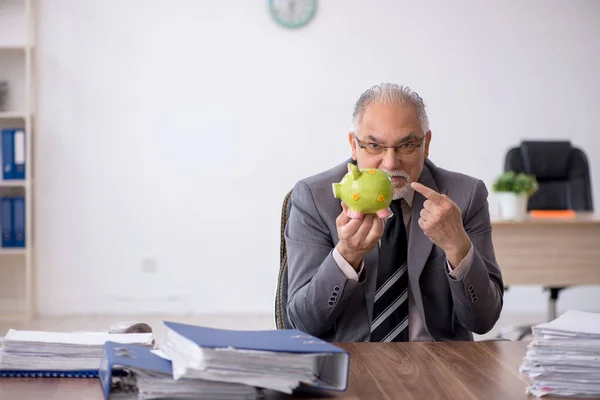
(292, 13)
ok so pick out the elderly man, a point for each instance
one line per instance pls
(425, 270)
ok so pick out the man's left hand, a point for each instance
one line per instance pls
(441, 221)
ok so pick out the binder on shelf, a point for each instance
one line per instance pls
(13, 154)
(19, 153)
(6, 221)
(18, 213)
(8, 163)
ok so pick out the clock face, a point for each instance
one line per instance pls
(292, 13)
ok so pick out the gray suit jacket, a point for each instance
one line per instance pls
(323, 302)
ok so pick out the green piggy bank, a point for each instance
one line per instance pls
(367, 190)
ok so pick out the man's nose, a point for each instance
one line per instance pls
(390, 160)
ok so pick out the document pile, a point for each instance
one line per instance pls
(136, 372)
(208, 363)
(58, 354)
(564, 357)
(280, 360)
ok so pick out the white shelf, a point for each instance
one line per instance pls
(13, 184)
(14, 317)
(12, 115)
(12, 251)
(17, 34)
(13, 48)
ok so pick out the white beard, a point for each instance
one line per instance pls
(400, 192)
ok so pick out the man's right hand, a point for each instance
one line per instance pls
(357, 235)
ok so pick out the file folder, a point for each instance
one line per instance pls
(19, 153)
(8, 163)
(334, 361)
(48, 374)
(134, 371)
(6, 221)
(13, 153)
(18, 211)
(120, 360)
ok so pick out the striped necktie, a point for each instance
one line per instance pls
(390, 311)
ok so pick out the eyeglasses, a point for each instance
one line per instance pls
(376, 148)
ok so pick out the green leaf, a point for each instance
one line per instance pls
(519, 183)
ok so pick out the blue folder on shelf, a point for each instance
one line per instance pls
(18, 211)
(8, 162)
(12, 221)
(13, 153)
(6, 221)
(335, 361)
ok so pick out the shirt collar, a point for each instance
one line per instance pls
(408, 198)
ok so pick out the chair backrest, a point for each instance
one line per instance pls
(562, 173)
(281, 319)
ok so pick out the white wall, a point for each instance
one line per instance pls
(172, 134)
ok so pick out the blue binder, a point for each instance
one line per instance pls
(335, 361)
(8, 162)
(6, 221)
(13, 153)
(18, 211)
(120, 359)
(19, 153)
(48, 374)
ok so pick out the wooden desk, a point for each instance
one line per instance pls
(549, 251)
(459, 370)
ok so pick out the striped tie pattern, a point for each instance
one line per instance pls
(390, 311)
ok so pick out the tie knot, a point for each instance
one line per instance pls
(396, 207)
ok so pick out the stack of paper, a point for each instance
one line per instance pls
(59, 353)
(564, 357)
(155, 386)
(149, 376)
(281, 360)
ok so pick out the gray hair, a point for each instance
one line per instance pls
(389, 93)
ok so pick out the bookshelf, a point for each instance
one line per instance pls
(17, 50)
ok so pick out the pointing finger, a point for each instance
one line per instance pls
(427, 192)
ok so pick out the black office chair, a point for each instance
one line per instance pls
(281, 317)
(563, 176)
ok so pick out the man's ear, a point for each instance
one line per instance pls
(352, 145)
(427, 141)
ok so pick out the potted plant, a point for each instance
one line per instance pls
(514, 189)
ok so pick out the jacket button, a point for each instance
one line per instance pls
(337, 288)
(330, 303)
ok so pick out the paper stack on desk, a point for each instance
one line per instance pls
(281, 360)
(136, 372)
(55, 354)
(564, 357)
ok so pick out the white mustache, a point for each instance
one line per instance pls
(399, 173)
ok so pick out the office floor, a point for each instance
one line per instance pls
(248, 321)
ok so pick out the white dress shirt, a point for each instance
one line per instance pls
(416, 328)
